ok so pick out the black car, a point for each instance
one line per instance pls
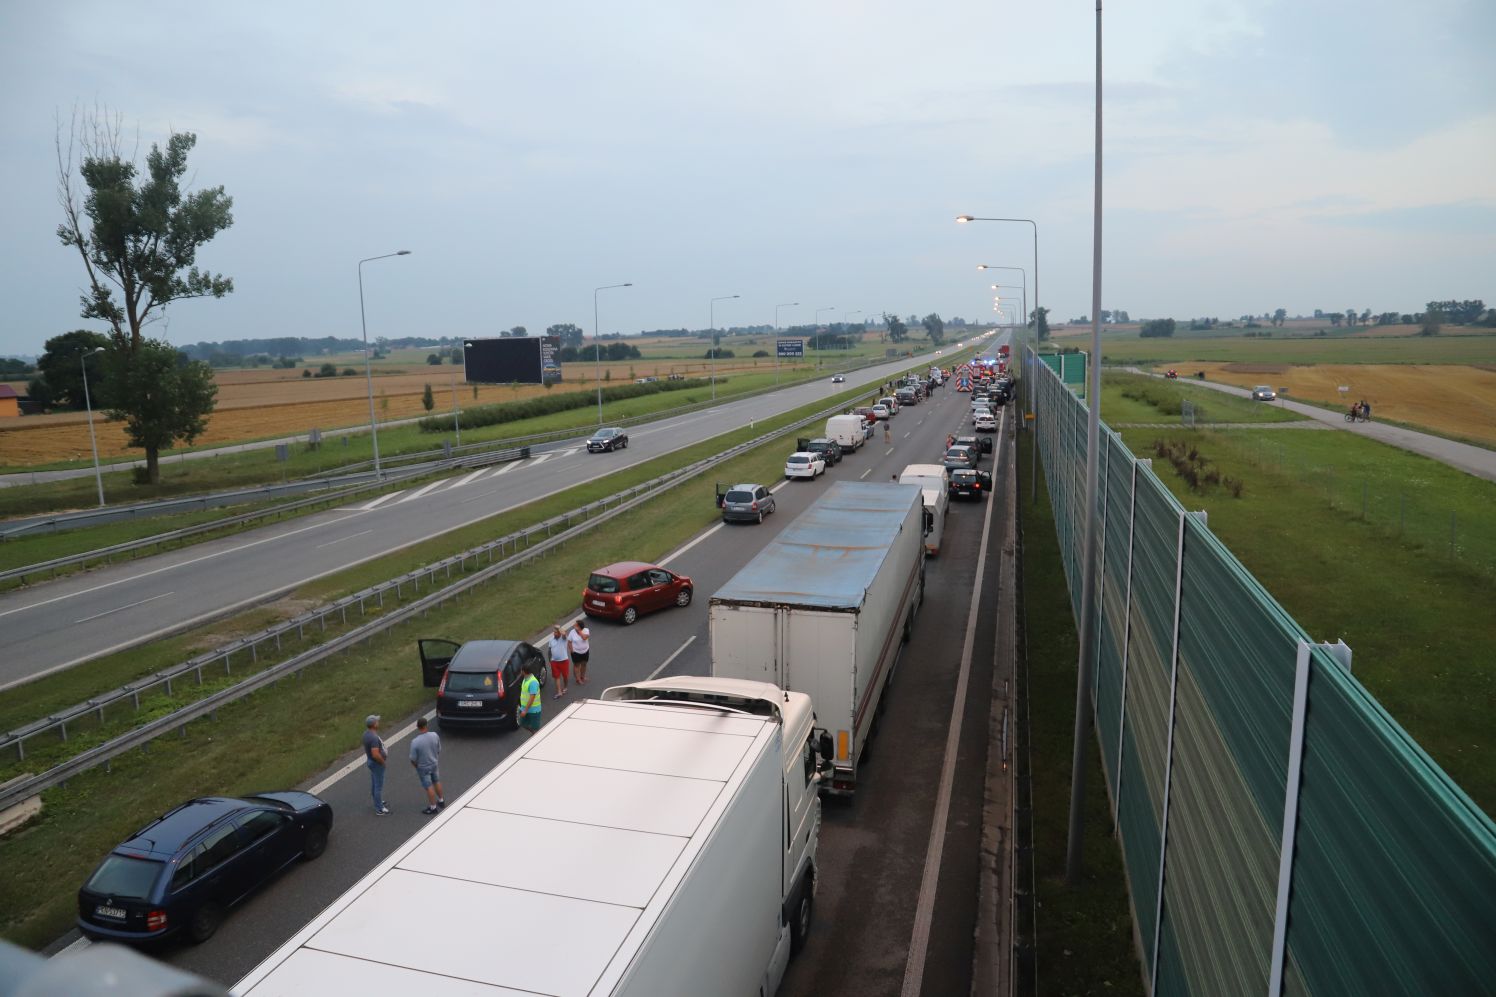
(180, 873)
(607, 440)
(968, 483)
(830, 450)
(477, 682)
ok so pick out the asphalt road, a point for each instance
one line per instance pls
(74, 619)
(874, 848)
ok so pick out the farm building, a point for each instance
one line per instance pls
(10, 403)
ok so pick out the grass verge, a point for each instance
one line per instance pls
(1084, 933)
(1138, 398)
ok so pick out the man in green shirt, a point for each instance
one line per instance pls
(527, 713)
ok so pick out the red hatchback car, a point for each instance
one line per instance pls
(629, 589)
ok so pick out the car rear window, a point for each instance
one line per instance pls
(798, 459)
(470, 682)
(739, 496)
(123, 876)
(602, 584)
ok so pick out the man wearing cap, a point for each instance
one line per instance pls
(374, 757)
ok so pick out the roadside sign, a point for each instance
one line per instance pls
(789, 348)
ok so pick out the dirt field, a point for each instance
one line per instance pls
(1459, 400)
(254, 404)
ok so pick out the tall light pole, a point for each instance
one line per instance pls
(88, 404)
(712, 330)
(988, 266)
(787, 304)
(368, 366)
(597, 347)
(817, 332)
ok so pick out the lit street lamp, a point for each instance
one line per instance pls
(712, 330)
(368, 367)
(87, 404)
(597, 347)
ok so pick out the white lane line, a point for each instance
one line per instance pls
(864, 474)
(422, 491)
(381, 500)
(121, 609)
(170, 567)
(358, 763)
(341, 539)
(693, 543)
(79, 944)
(924, 910)
(464, 480)
(779, 486)
(567, 453)
(504, 469)
(888, 451)
(666, 663)
(540, 459)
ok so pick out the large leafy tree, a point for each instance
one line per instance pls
(569, 334)
(138, 235)
(61, 366)
(1039, 321)
(934, 327)
(897, 330)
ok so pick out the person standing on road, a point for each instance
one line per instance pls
(374, 757)
(527, 712)
(560, 661)
(580, 643)
(425, 753)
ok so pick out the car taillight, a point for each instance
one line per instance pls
(753, 506)
(498, 678)
(155, 920)
(441, 690)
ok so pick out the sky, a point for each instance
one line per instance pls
(1257, 155)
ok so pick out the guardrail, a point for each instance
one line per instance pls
(524, 549)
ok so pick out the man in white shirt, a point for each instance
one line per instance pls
(560, 662)
(579, 640)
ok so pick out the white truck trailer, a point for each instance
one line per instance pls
(933, 489)
(825, 609)
(659, 841)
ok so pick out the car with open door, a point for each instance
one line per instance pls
(970, 483)
(477, 681)
(627, 590)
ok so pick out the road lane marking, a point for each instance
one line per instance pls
(341, 539)
(381, 500)
(864, 474)
(172, 567)
(541, 459)
(888, 451)
(693, 543)
(121, 609)
(359, 762)
(504, 469)
(462, 481)
(924, 911)
(422, 491)
(906, 435)
(666, 663)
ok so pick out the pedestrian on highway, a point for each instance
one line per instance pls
(527, 711)
(374, 757)
(560, 661)
(887, 433)
(580, 643)
(425, 752)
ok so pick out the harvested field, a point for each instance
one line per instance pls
(1458, 400)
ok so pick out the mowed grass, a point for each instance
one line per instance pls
(1138, 398)
(285, 735)
(1118, 348)
(1084, 933)
(1416, 613)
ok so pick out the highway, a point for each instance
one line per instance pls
(64, 623)
(874, 849)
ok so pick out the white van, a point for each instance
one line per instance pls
(932, 486)
(847, 430)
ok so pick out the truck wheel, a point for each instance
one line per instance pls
(804, 910)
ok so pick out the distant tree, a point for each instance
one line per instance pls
(1121, 316)
(934, 328)
(327, 370)
(434, 359)
(140, 242)
(159, 393)
(60, 365)
(1459, 312)
(1351, 315)
(897, 330)
(504, 334)
(349, 372)
(1279, 316)
(1318, 313)
(1335, 318)
(428, 400)
(1106, 316)
(1041, 316)
(1158, 328)
(760, 353)
(1432, 320)
(306, 372)
(720, 354)
(519, 332)
(569, 334)
(39, 392)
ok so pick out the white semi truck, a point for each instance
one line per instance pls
(659, 841)
(825, 609)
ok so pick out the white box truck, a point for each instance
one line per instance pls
(934, 492)
(659, 841)
(825, 609)
(848, 430)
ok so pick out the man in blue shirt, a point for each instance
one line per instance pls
(375, 757)
(425, 753)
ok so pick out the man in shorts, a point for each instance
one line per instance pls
(527, 712)
(560, 662)
(580, 643)
(425, 753)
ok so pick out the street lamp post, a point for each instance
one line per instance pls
(712, 331)
(988, 266)
(787, 304)
(817, 331)
(88, 404)
(597, 347)
(368, 366)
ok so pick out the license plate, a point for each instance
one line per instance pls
(113, 912)
(597, 602)
(469, 702)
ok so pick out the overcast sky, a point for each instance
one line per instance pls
(1258, 154)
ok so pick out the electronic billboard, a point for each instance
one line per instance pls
(512, 360)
